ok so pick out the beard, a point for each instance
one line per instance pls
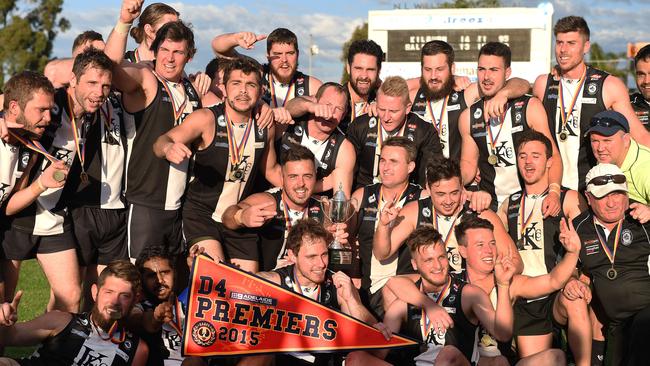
(28, 128)
(445, 90)
(103, 323)
(371, 87)
(233, 105)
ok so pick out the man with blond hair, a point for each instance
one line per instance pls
(394, 118)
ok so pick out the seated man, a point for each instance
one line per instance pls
(309, 276)
(82, 339)
(467, 305)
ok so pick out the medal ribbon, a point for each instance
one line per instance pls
(298, 289)
(353, 106)
(177, 111)
(564, 115)
(81, 149)
(426, 324)
(136, 55)
(611, 255)
(438, 123)
(522, 212)
(111, 333)
(236, 150)
(494, 139)
(286, 97)
(176, 325)
(398, 203)
(107, 116)
(435, 225)
(287, 215)
(34, 145)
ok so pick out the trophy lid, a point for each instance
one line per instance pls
(339, 195)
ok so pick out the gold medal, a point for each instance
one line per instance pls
(84, 177)
(492, 159)
(236, 174)
(612, 274)
(563, 136)
(59, 176)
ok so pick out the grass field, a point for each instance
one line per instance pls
(36, 293)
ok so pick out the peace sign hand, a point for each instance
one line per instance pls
(569, 237)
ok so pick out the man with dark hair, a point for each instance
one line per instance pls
(317, 128)
(443, 210)
(397, 161)
(611, 143)
(363, 67)
(281, 79)
(575, 96)
(58, 70)
(82, 126)
(641, 99)
(153, 17)
(538, 242)
(467, 305)
(27, 105)
(224, 130)
(156, 100)
(277, 210)
(394, 118)
(614, 257)
(79, 339)
(309, 276)
(161, 314)
(488, 148)
(436, 101)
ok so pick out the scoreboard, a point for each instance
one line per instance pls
(402, 33)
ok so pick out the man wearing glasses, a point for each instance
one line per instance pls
(611, 143)
(614, 256)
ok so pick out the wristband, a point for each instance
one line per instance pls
(122, 28)
(503, 284)
(237, 217)
(40, 184)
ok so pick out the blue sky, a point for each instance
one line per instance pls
(612, 23)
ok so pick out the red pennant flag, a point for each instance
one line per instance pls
(231, 312)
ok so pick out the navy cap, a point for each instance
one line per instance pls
(607, 123)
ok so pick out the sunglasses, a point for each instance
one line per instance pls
(606, 122)
(602, 180)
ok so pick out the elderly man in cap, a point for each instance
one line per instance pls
(615, 256)
(611, 143)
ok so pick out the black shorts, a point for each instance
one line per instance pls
(151, 227)
(534, 318)
(100, 234)
(20, 246)
(237, 244)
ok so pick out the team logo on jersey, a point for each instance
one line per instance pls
(127, 345)
(300, 91)
(190, 92)
(516, 196)
(260, 132)
(204, 334)
(421, 95)
(56, 109)
(373, 122)
(298, 130)
(288, 282)
(595, 77)
(3, 191)
(328, 297)
(410, 137)
(372, 198)
(454, 97)
(221, 121)
(24, 160)
(518, 117)
(626, 237)
(592, 88)
(478, 113)
(452, 298)
(426, 212)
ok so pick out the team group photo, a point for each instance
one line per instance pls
(475, 190)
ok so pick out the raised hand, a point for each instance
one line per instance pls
(130, 10)
(389, 212)
(164, 312)
(256, 215)
(201, 82)
(9, 310)
(321, 110)
(551, 205)
(640, 212)
(195, 251)
(569, 237)
(264, 115)
(504, 269)
(343, 285)
(247, 40)
(48, 180)
(282, 116)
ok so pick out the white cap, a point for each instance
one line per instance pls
(603, 170)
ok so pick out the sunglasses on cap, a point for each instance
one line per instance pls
(606, 122)
(602, 180)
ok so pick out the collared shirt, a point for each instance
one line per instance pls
(636, 168)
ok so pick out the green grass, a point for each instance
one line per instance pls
(36, 294)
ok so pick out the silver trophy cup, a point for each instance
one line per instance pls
(339, 210)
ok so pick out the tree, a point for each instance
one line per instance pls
(608, 61)
(27, 35)
(359, 33)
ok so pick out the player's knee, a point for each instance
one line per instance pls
(575, 308)
(553, 356)
(450, 356)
